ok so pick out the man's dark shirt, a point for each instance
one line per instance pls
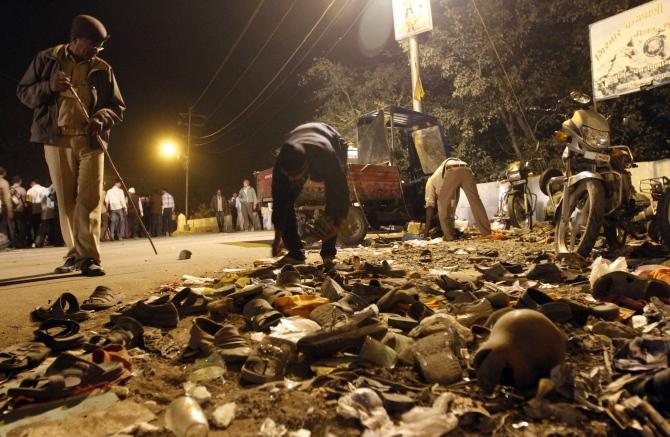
(326, 153)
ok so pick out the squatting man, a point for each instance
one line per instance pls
(318, 152)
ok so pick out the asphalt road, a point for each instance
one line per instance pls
(26, 279)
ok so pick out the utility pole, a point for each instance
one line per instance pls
(189, 119)
(414, 68)
(411, 18)
(188, 158)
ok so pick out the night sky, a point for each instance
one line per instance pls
(164, 52)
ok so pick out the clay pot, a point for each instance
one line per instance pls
(523, 347)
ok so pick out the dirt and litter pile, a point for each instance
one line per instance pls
(400, 337)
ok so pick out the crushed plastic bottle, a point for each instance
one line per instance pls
(185, 418)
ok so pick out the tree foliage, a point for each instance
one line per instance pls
(544, 49)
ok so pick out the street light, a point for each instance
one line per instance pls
(169, 149)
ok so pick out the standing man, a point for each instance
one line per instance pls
(221, 208)
(72, 145)
(167, 207)
(115, 200)
(234, 203)
(318, 152)
(34, 196)
(247, 198)
(133, 224)
(7, 212)
(444, 185)
(156, 213)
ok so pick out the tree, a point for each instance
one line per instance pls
(543, 49)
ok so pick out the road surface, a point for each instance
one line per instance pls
(26, 279)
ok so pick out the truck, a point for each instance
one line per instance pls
(397, 149)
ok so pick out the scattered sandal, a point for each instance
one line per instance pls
(22, 356)
(208, 336)
(102, 298)
(60, 335)
(65, 307)
(189, 302)
(269, 361)
(260, 314)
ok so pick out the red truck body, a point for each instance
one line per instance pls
(367, 183)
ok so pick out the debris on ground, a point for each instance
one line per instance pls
(400, 336)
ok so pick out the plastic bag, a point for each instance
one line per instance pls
(601, 267)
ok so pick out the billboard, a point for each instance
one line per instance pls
(411, 17)
(631, 51)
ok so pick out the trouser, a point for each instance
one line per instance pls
(457, 178)
(248, 213)
(18, 230)
(293, 243)
(46, 233)
(116, 224)
(156, 225)
(167, 221)
(233, 212)
(76, 172)
(35, 220)
(220, 216)
(133, 226)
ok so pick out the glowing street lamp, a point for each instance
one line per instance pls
(169, 149)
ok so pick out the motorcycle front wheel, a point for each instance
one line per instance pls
(585, 205)
(520, 216)
(662, 218)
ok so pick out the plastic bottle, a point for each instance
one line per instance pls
(185, 418)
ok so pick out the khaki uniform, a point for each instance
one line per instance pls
(458, 175)
(76, 169)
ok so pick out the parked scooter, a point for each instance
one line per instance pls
(518, 200)
(597, 188)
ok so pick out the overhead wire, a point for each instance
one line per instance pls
(289, 74)
(502, 66)
(283, 67)
(253, 61)
(229, 54)
(288, 100)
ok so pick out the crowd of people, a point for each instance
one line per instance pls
(29, 216)
(240, 212)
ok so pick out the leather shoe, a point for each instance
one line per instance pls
(67, 267)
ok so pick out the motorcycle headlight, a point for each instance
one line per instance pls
(596, 138)
(513, 176)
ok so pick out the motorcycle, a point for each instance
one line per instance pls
(597, 188)
(659, 191)
(519, 201)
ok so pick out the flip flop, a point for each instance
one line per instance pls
(269, 361)
(102, 298)
(65, 307)
(22, 356)
(260, 314)
(189, 302)
(114, 353)
(60, 335)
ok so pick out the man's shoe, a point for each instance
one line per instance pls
(67, 267)
(288, 259)
(91, 267)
